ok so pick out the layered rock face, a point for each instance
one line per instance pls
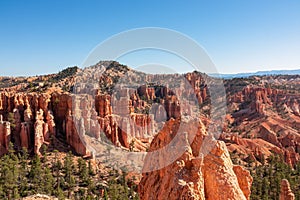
(192, 174)
(285, 191)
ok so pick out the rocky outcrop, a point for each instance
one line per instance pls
(51, 126)
(27, 126)
(285, 191)
(260, 98)
(221, 182)
(38, 117)
(244, 179)
(291, 156)
(5, 132)
(182, 179)
(192, 175)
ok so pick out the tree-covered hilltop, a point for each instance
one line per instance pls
(63, 177)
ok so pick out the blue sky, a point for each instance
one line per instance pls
(40, 37)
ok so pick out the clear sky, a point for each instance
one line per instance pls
(40, 37)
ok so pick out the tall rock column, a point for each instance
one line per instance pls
(51, 126)
(24, 135)
(39, 132)
(17, 129)
(4, 135)
(26, 126)
(285, 191)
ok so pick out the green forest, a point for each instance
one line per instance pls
(267, 178)
(23, 175)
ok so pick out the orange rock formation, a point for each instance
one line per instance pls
(192, 175)
(285, 191)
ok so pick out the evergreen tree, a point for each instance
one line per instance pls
(35, 174)
(69, 171)
(91, 170)
(23, 171)
(44, 153)
(9, 175)
(1, 192)
(83, 172)
(59, 193)
(47, 181)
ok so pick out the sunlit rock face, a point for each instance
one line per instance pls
(193, 175)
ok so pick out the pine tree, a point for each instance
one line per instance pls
(91, 170)
(23, 171)
(1, 192)
(16, 194)
(44, 153)
(69, 171)
(35, 174)
(60, 194)
(47, 181)
(9, 175)
(56, 167)
(124, 183)
(83, 172)
(8, 185)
